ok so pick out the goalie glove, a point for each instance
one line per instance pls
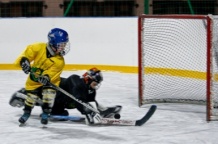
(43, 79)
(93, 118)
(25, 65)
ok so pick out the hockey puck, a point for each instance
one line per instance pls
(117, 116)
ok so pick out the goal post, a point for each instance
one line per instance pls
(177, 60)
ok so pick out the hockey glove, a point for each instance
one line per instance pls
(93, 118)
(25, 65)
(97, 118)
(43, 79)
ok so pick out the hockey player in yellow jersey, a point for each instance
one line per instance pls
(44, 62)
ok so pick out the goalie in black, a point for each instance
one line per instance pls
(83, 88)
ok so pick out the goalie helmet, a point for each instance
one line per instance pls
(93, 74)
(58, 39)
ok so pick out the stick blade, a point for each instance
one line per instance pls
(147, 116)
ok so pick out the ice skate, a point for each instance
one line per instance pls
(24, 117)
(44, 118)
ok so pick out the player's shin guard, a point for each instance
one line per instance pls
(48, 102)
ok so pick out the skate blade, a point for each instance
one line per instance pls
(22, 124)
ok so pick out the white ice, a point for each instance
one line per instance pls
(171, 123)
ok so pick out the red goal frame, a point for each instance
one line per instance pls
(208, 52)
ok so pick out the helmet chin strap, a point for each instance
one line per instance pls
(50, 50)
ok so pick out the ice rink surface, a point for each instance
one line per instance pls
(171, 123)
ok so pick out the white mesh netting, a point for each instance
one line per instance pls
(174, 61)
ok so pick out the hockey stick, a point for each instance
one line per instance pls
(138, 122)
(66, 118)
(111, 121)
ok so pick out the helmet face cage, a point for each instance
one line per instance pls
(58, 39)
(63, 48)
(94, 75)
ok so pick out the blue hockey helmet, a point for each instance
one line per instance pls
(59, 40)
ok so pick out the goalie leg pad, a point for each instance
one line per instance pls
(109, 112)
(112, 112)
(18, 98)
(17, 103)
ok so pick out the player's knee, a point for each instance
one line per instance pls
(49, 95)
(31, 99)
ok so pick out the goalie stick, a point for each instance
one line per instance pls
(66, 118)
(110, 121)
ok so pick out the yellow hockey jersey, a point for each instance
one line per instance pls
(41, 65)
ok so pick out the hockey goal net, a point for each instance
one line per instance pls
(178, 60)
